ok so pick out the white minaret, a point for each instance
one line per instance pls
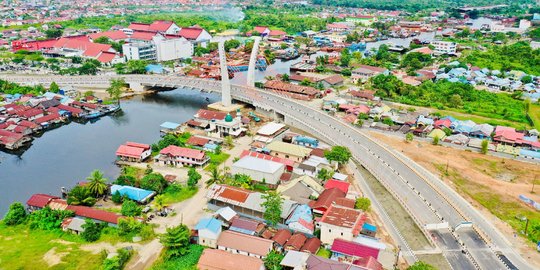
(225, 84)
(252, 62)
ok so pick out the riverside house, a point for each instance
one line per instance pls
(176, 156)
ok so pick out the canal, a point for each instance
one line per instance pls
(67, 155)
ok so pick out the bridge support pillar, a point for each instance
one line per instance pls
(137, 87)
(225, 84)
(253, 62)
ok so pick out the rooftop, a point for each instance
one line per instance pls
(247, 243)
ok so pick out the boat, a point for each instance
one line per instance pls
(93, 115)
(111, 109)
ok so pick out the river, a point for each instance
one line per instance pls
(67, 155)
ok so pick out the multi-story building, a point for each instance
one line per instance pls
(444, 47)
(340, 222)
(139, 51)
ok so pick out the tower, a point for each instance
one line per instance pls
(253, 61)
(225, 83)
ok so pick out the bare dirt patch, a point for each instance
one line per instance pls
(53, 258)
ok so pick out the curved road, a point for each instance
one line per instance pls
(429, 200)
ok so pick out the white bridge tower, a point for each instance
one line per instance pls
(225, 83)
(252, 62)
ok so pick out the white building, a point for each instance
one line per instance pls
(444, 47)
(340, 222)
(139, 51)
(208, 231)
(172, 48)
(259, 170)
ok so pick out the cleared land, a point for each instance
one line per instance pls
(492, 184)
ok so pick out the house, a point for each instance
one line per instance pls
(208, 231)
(306, 141)
(176, 156)
(239, 243)
(133, 193)
(244, 202)
(301, 189)
(270, 131)
(444, 47)
(295, 242)
(332, 81)
(312, 245)
(226, 215)
(260, 170)
(295, 260)
(215, 259)
(295, 91)
(319, 263)
(290, 151)
(340, 222)
(39, 201)
(341, 185)
(134, 152)
(348, 251)
(197, 141)
(244, 225)
(437, 133)
(261, 30)
(364, 73)
(301, 220)
(167, 27)
(196, 35)
(508, 135)
(280, 238)
(73, 225)
(325, 200)
(169, 127)
(363, 94)
(287, 162)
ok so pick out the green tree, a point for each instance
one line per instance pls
(129, 226)
(54, 88)
(130, 209)
(116, 88)
(345, 57)
(325, 174)
(272, 205)
(92, 230)
(97, 184)
(48, 219)
(193, 177)
(229, 142)
(362, 203)
(215, 177)
(388, 121)
(409, 137)
(136, 67)
(273, 260)
(436, 140)
(456, 101)
(15, 215)
(81, 195)
(484, 149)
(527, 79)
(285, 78)
(420, 265)
(54, 33)
(117, 197)
(155, 182)
(159, 202)
(176, 240)
(340, 154)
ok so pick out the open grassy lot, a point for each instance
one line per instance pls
(186, 262)
(534, 113)
(22, 248)
(485, 120)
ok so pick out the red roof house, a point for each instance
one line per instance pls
(181, 156)
(341, 185)
(131, 151)
(38, 201)
(352, 249)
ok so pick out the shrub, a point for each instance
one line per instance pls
(130, 209)
(92, 230)
(155, 182)
(117, 197)
(15, 215)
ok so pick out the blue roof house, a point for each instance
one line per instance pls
(301, 220)
(208, 231)
(137, 194)
(306, 141)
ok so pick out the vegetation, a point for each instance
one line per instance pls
(48, 219)
(155, 182)
(175, 193)
(484, 149)
(54, 88)
(92, 230)
(453, 96)
(272, 205)
(119, 261)
(16, 214)
(340, 154)
(81, 195)
(517, 56)
(97, 184)
(362, 203)
(420, 265)
(273, 260)
(116, 89)
(325, 253)
(409, 137)
(186, 262)
(215, 177)
(176, 240)
(325, 174)
(130, 209)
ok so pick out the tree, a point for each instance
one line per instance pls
(88, 68)
(456, 101)
(436, 140)
(176, 240)
(526, 79)
(285, 78)
(48, 219)
(81, 195)
(340, 154)
(272, 207)
(129, 226)
(54, 33)
(130, 209)
(117, 197)
(362, 203)
(325, 174)
(409, 137)
(92, 230)
(54, 88)
(273, 260)
(193, 177)
(97, 183)
(116, 88)
(388, 121)
(102, 40)
(215, 177)
(159, 202)
(136, 67)
(484, 149)
(15, 215)
(155, 182)
(420, 265)
(229, 141)
(345, 57)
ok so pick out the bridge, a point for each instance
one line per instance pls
(437, 209)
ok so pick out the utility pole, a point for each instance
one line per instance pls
(535, 177)
(397, 257)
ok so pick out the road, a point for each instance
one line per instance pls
(427, 199)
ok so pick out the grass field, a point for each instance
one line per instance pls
(186, 262)
(21, 248)
(175, 194)
(485, 120)
(534, 113)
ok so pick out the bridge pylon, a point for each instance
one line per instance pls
(225, 83)
(253, 61)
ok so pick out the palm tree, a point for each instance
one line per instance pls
(159, 202)
(80, 195)
(215, 177)
(97, 183)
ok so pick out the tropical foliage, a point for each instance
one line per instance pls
(15, 215)
(340, 154)
(272, 204)
(176, 240)
(48, 219)
(97, 184)
(81, 195)
(517, 56)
